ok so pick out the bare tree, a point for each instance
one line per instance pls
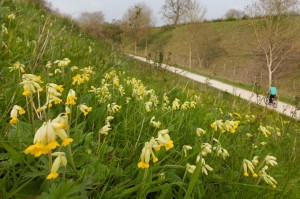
(234, 14)
(137, 21)
(275, 31)
(92, 22)
(173, 10)
(193, 14)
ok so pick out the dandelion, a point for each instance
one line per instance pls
(164, 139)
(71, 97)
(271, 160)
(190, 168)
(200, 131)
(185, 148)
(59, 160)
(16, 110)
(85, 109)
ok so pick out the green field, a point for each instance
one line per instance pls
(79, 119)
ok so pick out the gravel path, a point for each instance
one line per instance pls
(282, 107)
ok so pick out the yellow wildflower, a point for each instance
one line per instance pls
(71, 97)
(59, 160)
(85, 109)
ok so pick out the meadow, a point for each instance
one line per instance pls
(79, 119)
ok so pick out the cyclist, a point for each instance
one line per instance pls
(272, 93)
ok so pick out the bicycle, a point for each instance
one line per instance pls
(274, 103)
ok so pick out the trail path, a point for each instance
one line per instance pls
(282, 107)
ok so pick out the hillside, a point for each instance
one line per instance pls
(79, 119)
(231, 53)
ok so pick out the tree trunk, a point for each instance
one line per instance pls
(270, 75)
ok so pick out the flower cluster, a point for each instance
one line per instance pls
(31, 84)
(227, 126)
(261, 174)
(163, 140)
(45, 139)
(16, 110)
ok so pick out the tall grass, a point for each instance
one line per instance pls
(103, 158)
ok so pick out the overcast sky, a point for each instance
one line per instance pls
(114, 9)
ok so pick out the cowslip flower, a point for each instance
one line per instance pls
(85, 109)
(71, 97)
(221, 151)
(108, 119)
(185, 148)
(164, 139)
(205, 167)
(248, 165)
(190, 168)
(271, 160)
(45, 137)
(17, 66)
(4, 29)
(206, 149)
(265, 131)
(175, 104)
(154, 123)
(62, 63)
(146, 154)
(267, 178)
(113, 108)
(218, 125)
(59, 160)
(230, 126)
(104, 130)
(148, 106)
(200, 131)
(16, 110)
(255, 160)
(54, 93)
(30, 84)
(49, 64)
(11, 16)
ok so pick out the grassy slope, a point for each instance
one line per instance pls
(110, 171)
(238, 41)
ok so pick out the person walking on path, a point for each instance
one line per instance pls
(272, 92)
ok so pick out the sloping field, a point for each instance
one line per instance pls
(81, 120)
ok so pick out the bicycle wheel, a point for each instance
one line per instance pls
(266, 100)
(275, 103)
